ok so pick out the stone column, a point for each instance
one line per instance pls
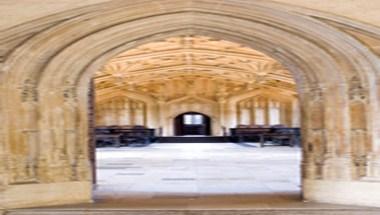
(100, 120)
(373, 157)
(283, 113)
(338, 163)
(231, 115)
(288, 114)
(3, 158)
(126, 115)
(244, 114)
(139, 114)
(132, 110)
(103, 114)
(119, 111)
(273, 111)
(97, 115)
(71, 138)
(162, 115)
(296, 113)
(3, 150)
(313, 136)
(253, 112)
(30, 136)
(259, 106)
(238, 113)
(266, 112)
(111, 113)
(222, 115)
(152, 116)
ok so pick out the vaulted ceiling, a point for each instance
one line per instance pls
(199, 65)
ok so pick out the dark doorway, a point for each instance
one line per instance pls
(192, 123)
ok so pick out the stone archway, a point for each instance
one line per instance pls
(189, 106)
(47, 68)
(202, 126)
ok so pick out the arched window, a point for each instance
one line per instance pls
(193, 119)
(274, 113)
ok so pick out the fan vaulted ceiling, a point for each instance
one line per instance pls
(200, 65)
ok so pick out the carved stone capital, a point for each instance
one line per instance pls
(69, 94)
(29, 91)
(356, 90)
(315, 94)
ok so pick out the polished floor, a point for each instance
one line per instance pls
(199, 175)
(189, 169)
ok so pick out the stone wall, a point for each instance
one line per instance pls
(129, 111)
(24, 10)
(121, 111)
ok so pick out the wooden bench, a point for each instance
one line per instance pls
(252, 133)
(284, 136)
(278, 135)
(123, 135)
(103, 140)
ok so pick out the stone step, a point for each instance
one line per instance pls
(108, 211)
(194, 139)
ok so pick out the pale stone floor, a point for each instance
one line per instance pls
(200, 176)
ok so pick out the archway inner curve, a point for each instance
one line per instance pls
(55, 71)
(191, 73)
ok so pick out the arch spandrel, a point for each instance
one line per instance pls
(59, 61)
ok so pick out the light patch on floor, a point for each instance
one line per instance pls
(198, 172)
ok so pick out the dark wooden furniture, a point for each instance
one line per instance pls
(123, 135)
(248, 133)
(278, 135)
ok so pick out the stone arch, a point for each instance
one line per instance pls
(206, 117)
(52, 67)
(206, 113)
(215, 122)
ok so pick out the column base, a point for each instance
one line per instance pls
(37, 195)
(373, 169)
(359, 193)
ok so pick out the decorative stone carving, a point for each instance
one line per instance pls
(356, 90)
(358, 123)
(29, 91)
(69, 93)
(315, 94)
(315, 106)
(70, 138)
(20, 170)
(83, 168)
(315, 135)
(314, 154)
(24, 164)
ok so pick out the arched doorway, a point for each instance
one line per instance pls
(192, 123)
(49, 65)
